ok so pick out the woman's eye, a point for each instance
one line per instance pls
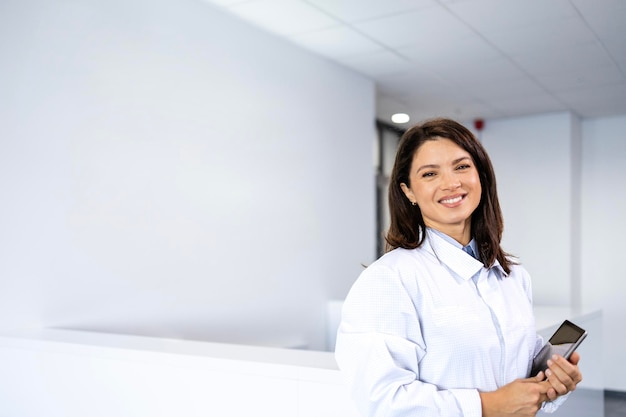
(464, 166)
(428, 174)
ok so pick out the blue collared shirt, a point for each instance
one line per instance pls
(419, 337)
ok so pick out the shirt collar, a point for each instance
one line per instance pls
(451, 253)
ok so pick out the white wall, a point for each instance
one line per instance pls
(167, 170)
(561, 183)
(532, 156)
(604, 228)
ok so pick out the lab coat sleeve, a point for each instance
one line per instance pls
(379, 347)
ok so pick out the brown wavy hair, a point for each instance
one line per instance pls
(407, 228)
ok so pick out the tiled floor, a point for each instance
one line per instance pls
(614, 404)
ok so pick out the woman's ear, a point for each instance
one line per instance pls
(407, 192)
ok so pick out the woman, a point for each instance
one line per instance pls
(442, 324)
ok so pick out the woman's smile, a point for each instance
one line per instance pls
(451, 201)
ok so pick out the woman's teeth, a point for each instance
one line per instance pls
(452, 200)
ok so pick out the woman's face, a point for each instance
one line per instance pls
(445, 185)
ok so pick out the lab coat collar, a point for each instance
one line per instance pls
(451, 254)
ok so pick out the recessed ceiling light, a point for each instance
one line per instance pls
(400, 118)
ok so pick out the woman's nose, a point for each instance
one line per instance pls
(450, 181)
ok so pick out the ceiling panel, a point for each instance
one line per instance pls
(527, 104)
(408, 84)
(415, 27)
(610, 95)
(585, 57)
(581, 79)
(480, 73)
(464, 58)
(602, 101)
(601, 13)
(338, 42)
(471, 48)
(488, 16)
(562, 33)
(378, 63)
(617, 49)
(498, 90)
(228, 3)
(351, 11)
(284, 17)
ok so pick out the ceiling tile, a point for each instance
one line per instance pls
(608, 25)
(227, 3)
(415, 27)
(540, 37)
(617, 49)
(600, 101)
(497, 90)
(581, 79)
(447, 52)
(357, 10)
(541, 103)
(409, 84)
(497, 15)
(487, 72)
(584, 56)
(603, 110)
(600, 96)
(599, 10)
(449, 98)
(283, 17)
(377, 64)
(337, 42)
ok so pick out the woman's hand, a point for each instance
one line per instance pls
(563, 375)
(520, 398)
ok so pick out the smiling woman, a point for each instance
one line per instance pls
(442, 324)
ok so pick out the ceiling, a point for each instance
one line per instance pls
(464, 59)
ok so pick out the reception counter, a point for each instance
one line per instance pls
(66, 373)
(63, 373)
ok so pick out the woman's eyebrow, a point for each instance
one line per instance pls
(428, 166)
(456, 161)
(435, 166)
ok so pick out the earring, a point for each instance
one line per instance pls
(414, 203)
